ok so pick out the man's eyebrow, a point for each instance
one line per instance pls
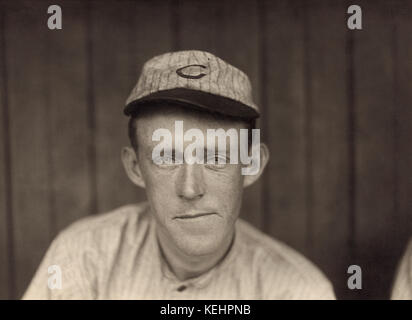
(216, 149)
(174, 152)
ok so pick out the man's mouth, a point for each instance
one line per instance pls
(194, 215)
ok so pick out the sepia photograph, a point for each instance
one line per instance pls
(205, 150)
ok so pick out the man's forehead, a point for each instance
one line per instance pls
(165, 116)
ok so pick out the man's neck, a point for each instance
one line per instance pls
(185, 266)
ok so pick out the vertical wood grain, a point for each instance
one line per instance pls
(68, 133)
(328, 224)
(374, 143)
(26, 58)
(6, 229)
(402, 121)
(110, 24)
(285, 116)
(196, 25)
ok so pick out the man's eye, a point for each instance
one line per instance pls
(217, 161)
(165, 161)
(168, 160)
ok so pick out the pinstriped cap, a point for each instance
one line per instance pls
(197, 79)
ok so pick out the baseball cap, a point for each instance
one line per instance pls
(196, 79)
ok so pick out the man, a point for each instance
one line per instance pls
(186, 242)
(402, 288)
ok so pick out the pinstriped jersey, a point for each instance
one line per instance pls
(116, 256)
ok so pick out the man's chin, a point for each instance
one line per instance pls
(200, 246)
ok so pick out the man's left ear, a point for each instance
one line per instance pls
(264, 158)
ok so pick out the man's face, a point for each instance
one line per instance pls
(195, 205)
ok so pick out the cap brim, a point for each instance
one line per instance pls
(197, 99)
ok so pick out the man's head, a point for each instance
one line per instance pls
(195, 205)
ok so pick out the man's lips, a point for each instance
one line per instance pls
(194, 215)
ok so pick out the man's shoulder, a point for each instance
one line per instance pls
(402, 287)
(114, 223)
(276, 259)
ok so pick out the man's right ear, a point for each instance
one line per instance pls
(132, 167)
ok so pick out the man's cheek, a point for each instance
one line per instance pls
(162, 189)
(228, 181)
(228, 196)
(155, 176)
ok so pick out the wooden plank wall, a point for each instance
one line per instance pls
(336, 108)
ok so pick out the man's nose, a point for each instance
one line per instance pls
(190, 183)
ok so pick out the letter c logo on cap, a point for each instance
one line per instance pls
(192, 71)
